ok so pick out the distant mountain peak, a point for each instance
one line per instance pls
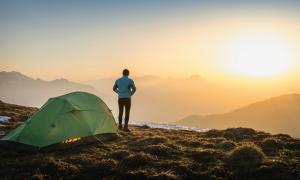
(63, 80)
(21, 89)
(13, 75)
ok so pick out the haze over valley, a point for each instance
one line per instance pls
(168, 100)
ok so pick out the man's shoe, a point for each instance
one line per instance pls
(126, 129)
(120, 127)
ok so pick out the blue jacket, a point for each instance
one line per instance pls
(125, 87)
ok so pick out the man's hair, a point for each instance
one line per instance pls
(126, 72)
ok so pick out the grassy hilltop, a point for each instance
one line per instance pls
(148, 153)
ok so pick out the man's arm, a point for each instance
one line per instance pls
(115, 88)
(132, 87)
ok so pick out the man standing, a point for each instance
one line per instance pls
(125, 88)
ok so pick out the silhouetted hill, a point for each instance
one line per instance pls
(21, 89)
(153, 153)
(277, 115)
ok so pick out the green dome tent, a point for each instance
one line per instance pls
(72, 116)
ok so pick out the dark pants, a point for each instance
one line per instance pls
(124, 102)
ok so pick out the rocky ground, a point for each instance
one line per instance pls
(150, 153)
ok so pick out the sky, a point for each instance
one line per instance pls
(86, 40)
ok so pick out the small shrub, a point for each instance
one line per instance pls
(295, 144)
(275, 169)
(218, 170)
(241, 131)
(145, 126)
(160, 150)
(207, 144)
(261, 135)
(271, 144)
(119, 155)
(206, 155)
(106, 165)
(214, 133)
(284, 137)
(189, 142)
(236, 134)
(83, 159)
(229, 135)
(246, 155)
(226, 145)
(285, 154)
(138, 159)
(217, 139)
(59, 167)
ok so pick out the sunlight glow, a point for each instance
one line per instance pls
(259, 55)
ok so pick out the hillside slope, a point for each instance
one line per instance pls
(148, 153)
(277, 115)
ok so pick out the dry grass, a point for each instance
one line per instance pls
(147, 153)
(140, 159)
(245, 160)
(271, 145)
(160, 150)
(247, 154)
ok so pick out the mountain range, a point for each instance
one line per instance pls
(165, 100)
(279, 114)
(20, 89)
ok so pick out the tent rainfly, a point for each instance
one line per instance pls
(67, 118)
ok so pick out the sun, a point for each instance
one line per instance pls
(258, 55)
